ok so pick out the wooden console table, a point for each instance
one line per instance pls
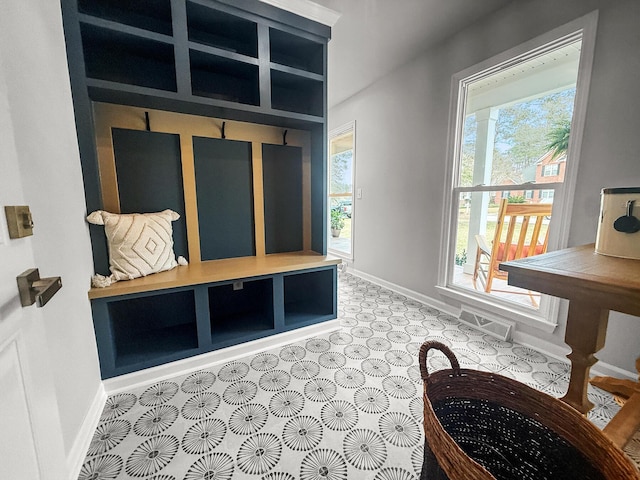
(594, 284)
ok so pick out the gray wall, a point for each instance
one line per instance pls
(401, 137)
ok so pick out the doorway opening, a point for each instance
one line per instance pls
(341, 180)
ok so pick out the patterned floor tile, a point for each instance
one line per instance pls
(338, 406)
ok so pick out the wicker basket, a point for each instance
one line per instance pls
(481, 426)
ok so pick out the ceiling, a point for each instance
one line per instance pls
(373, 37)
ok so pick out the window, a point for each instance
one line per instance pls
(510, 111)
(550, 170)
(547, 195)
(341, 179)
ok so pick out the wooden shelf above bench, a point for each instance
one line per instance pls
(217, 271)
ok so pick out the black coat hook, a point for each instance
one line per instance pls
(222, 130)
(284, 137)
(147, 122)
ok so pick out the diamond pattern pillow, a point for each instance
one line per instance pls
(139, 243)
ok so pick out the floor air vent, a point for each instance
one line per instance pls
(488, 325)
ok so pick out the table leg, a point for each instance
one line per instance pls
(585, 334)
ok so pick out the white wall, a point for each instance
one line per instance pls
(402, 139)
(39, 100)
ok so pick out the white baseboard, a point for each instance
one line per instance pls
(78, 452)
(413, 295)
(210, 359)
(560, 352)
(548, 348)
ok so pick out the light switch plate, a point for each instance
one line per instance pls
(19, 221)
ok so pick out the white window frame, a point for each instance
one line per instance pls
(336, 132)
(545, 318)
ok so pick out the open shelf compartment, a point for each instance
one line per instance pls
(149, 329)
(309, 297)
(215, 28)
(152, 15)
(297, 52)
(242, 309)
(119, 57)
(294, 93)
(224, 79)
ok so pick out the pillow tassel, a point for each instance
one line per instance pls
(182, 261)
(100, 281)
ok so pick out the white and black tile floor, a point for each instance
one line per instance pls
(346, 405)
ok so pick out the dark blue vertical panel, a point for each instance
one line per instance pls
(201, 294)
(278, 302)
(104, 337)
(149, 172)
(319, 189)
(224, 189)
(282, 177)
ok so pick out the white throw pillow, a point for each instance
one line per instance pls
(139, 244)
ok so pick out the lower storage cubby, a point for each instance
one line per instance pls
(309, 297)
(149, 330)
(241, 311)
(138, 330)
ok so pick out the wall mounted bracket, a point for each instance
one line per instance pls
(34, 289)
(19, 221)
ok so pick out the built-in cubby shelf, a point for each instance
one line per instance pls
(296, 93)
(224, 59)
(128, 59)
(308, 296)
(152, 15)
(241, 309)
(149, 329)
(224, 79)
(216, 28)
(215, 109)
(295, 51)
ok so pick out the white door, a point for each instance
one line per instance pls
(30, 432)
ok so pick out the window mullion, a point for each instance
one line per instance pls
(504, 188)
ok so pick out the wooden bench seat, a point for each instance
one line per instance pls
(217, 271)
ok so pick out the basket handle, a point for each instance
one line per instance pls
(432, 344)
